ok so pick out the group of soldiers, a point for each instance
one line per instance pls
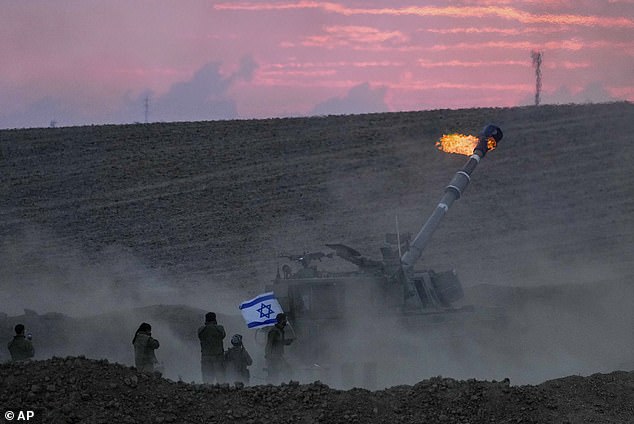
(218, 365)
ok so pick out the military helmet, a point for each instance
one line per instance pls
(236, 340)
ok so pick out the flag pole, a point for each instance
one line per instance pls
(290, 326)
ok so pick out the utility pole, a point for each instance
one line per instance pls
(147, 107)
(537, 64)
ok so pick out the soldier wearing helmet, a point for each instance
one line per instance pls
(274, 352)
(212, 350)
(237, 361)
(144, 347)
(21, 348)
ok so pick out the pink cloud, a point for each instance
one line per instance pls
(361, 98)
(271, 75)
(341, 36)
(420, 85)
(496, 30)
(473, 64)
(509, 13)
(568, 65)
(574, 45)
(347, 64)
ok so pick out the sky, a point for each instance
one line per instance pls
(85, 62)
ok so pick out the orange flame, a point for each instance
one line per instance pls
(462, 144)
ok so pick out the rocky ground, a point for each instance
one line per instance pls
(75, 389)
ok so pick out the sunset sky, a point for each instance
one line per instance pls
(97, 61)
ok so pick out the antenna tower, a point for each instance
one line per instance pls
(537, 64)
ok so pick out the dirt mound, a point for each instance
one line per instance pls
(75, 389)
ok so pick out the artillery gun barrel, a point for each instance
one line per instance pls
(454, 190)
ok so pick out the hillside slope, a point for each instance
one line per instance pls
(218, 201)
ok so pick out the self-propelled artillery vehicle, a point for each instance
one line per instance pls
(342, 318)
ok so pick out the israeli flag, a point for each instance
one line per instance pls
(261, 311)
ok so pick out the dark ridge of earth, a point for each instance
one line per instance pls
(79, 390)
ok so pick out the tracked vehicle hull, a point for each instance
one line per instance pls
(350, 330)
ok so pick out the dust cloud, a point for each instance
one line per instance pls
(76, 304)
(43, 273)
(553, 331)
(529, 332)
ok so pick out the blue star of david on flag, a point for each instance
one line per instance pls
(261, 310)
(265, 310)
